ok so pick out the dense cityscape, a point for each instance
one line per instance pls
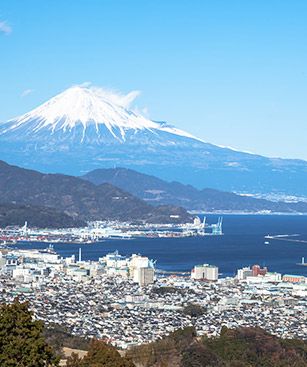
(126, 302)
(153, 170)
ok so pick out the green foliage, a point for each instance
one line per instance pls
(242, 347)
(164, 352)
(183, 337)
(255, 347)
(73, 360)
(99, 355)
(21, 339)
(194, 310)
(58, 337)
(197, 356)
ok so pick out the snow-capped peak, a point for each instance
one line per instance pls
(87, 106)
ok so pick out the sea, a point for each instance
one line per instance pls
(242, 244)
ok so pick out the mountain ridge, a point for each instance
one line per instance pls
(12, 214)
(84, 133)
(86, 107)
(80, 199)
(157, 192)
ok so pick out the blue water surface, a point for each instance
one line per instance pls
(241, 245)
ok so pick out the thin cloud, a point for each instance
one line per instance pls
(26, 92)
(5, 27)
(85, 84)
(124, 100)
(129, 98)
(141, 111)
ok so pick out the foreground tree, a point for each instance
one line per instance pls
(73, 360)
(99, 355)
(21, 340)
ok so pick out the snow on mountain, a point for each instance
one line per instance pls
(85, 128)
(87, 106)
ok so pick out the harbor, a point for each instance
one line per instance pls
(242, 243)
(100, 230)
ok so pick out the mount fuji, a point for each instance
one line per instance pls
(85, 128)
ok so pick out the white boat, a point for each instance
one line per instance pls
(302, 263)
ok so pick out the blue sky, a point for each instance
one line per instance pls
(233, 73)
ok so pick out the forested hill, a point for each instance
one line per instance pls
(243, 347)
(36, 216)
(79, 198)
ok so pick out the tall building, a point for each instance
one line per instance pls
(257, 270)
(205, 272)
(243, 273)
(136, 263)
(211, 273)
(145, 276)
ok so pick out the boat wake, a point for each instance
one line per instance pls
(285, 237)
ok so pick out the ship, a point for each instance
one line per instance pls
(302, 263)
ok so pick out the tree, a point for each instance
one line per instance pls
(99, 355)
(21, 340)
(103, 355)
(73, 360)
(194, 310)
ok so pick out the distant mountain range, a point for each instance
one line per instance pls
(55, 200)
(83, 129)
(157, 192)
(79, 199)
